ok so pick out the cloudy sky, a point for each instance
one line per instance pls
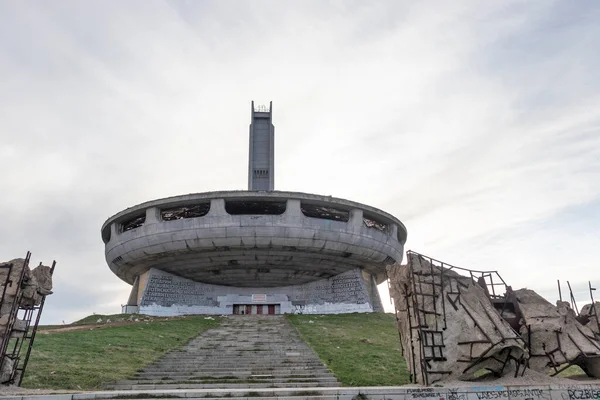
(477, 123)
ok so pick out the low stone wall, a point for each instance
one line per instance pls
(517, 392)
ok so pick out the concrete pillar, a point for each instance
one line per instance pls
(113, 231)
(292, 208)
(394, 231)
(133, 296)
(217, 208)
(152, 216)
(356, 218)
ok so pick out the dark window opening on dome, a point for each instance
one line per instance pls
(133, 223)
(371, 222)
(324, 212)
(106, 234)
(249, 207)
(183, 212)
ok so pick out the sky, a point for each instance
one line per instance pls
(476, 123)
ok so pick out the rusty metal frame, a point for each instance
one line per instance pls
(12, 316)
(572, 299)
(29, 314)
(38, 313)
(594, 311)
(492, 280)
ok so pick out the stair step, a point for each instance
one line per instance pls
(246, 352)
(224, 381)
(214, 386)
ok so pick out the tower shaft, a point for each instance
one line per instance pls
(261, 160)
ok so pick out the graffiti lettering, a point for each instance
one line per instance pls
(582, 394)
(516, 393)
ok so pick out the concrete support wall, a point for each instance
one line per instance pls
(573, 391)
(166, 294)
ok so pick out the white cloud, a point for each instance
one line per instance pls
(476, 124)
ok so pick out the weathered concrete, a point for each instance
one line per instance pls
(252, 250)
(449, 327)
(165, 294)
(573, 391)
(252, 239)
(261, 158)
(592, 312)
(35, 284)
(243, 352)
(554, 335)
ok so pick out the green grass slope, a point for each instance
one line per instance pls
(360, 349)
(83, 359)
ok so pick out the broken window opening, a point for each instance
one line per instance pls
(261, 173)
(249, 207)
(184, 212)
(371, 222)
(106, 234)
(133, 223)
(325, 212)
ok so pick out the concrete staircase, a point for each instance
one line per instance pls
(244, 352)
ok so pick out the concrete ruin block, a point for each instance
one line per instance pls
(43, 276)
(6, 370)
(448, 325)
(33, 286)
(590, 313)
(15, 273)
(36, 284)
(554, 335)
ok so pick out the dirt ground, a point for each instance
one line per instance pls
(46, 330)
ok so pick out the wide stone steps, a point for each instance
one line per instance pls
(246, 351)
(204, 381)
(219, 386)
(236, 375)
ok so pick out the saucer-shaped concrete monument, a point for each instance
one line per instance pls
(258, 251)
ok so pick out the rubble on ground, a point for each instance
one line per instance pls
(554, 335)
(454, 327)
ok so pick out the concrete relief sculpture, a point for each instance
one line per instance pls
(590, 312)
(449, 327)
(22, 295)
(455, 322)
(555, 337)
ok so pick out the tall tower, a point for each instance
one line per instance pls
(261, 161)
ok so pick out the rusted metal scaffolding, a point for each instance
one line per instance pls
(16, 339)
(439, 284)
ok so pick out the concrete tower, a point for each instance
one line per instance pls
(261, 160)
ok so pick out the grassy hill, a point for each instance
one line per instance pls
(92, 354)
(360, 349)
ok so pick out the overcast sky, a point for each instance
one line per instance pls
(476, 123)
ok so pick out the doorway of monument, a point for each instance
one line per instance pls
(270, 309)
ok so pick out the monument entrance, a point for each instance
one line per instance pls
(270, 309)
